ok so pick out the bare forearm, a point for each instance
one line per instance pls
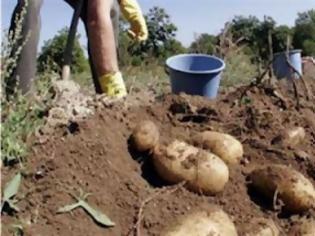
(101, 36)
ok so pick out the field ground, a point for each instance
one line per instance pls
(93, 155)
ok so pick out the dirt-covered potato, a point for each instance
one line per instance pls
(281, 182)
(261, 227)
(203, 223)
(145, 136)
(203, 171)
(291, 137)
(305, 227)
(294, 136)
(228, 148)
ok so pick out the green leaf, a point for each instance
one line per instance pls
(68, 208)
(98, 216)
(12, 187)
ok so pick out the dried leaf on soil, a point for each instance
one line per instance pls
(68, 208)
(10, 191)
(98, 216)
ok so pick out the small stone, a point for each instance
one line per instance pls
(245, 161)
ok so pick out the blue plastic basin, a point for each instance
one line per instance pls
(282, 69)
(195, 74)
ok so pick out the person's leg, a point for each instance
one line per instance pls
(25, 70)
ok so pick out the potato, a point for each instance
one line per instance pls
(305, 227)
(294, 136)
(295, 191)
(145, 136)
(291, 137)
(262, 227)
(228, 148)
(203, 223)
(203, 171)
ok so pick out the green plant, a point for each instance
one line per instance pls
(145, 76)
(279, 39)
(304, 36)
(239, 68)
(204, 43)
(84, 79)
(16, 110)
(53, 50)
(160, 44)
(11, 48)
(20, 115)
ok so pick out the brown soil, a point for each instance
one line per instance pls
(95, 157)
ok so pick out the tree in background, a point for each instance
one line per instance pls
(261, 33)
(204, 43)
(124, 45)
(171, 48)
(254, 33)
(160, 44)
(244, 27)
(279, 37)
(304, 35)
(52, 54)
(161, 30)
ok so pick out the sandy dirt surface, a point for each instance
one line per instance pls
(93, 155)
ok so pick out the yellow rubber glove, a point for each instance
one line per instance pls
(113, 85)
(133, 14)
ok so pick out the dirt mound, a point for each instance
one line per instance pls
(96, 157)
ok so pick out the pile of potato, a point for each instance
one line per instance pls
(204, 167)
(203, 171)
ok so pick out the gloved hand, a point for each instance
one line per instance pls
(132, 12)
(113, 85)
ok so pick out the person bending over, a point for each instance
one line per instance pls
(100, 18)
